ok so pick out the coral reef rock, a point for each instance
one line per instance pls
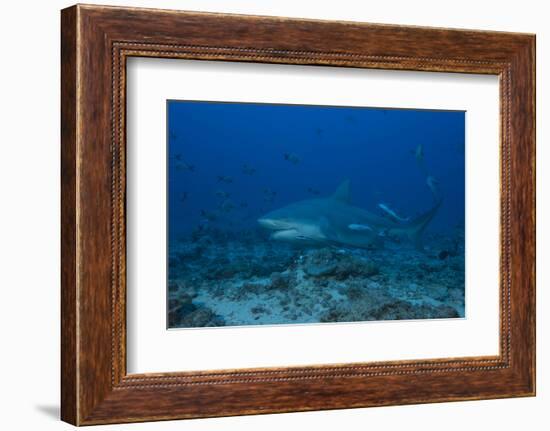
(221, 278)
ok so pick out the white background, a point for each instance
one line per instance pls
(153, 349)
(29, 215)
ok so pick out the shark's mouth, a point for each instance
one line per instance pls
(285, 234)
(283, 230)
(293, 235)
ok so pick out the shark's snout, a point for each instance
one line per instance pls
(269, 223)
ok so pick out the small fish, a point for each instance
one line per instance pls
(209, 215)
(225, 179)
(433, 185)
(318, 131)
(292, 158)
(243, 204)
(200, 228)
(392, 213)
(248, 170)
(269, 192)
(443, 254)
(173, 135)
(222, 194)
(269, 195)
(184, 166)
(183, 197)
(227, 206)
(178, 156)
(313, 191)
(419, 153)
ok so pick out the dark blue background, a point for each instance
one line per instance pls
(373, 147)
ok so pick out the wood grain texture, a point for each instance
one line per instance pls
(96, 41)
(69, 366)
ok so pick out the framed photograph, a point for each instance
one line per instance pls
(276, 236)
(266, 215)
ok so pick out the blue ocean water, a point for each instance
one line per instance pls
(231, 163)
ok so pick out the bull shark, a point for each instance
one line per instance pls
(334, 220)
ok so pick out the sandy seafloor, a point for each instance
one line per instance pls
(240, 278)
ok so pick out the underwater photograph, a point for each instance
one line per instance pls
(304, 214)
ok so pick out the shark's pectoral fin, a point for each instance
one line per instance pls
(329, 231)
(325, 227)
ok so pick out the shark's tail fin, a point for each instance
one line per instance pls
(416, 227)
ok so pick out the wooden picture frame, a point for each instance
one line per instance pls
(95, 43)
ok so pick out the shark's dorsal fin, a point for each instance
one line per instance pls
(342, 193)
